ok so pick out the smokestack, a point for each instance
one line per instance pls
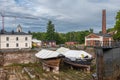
(104, 21)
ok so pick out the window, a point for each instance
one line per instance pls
(7, 38)
(26, 44)
(97, 43)
(16, 38)
(17, 44)
(7, 45)
(88, 43)
(26, 38)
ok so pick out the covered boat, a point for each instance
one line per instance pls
(76, 58)
(50, 59)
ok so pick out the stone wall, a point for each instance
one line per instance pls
(90, 50)
(7, 58)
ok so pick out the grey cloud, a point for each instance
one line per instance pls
(67, 15)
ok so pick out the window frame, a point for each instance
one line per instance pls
(17, 45)
(26, 44)
(26, 38)
(17, 38)
(7, 38)
(7, 44)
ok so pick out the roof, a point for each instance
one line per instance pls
(14, 33)
(45, 54)
(35, 40)
(19, 26)
(104, 35)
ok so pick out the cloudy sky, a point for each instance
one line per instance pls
(67, 15)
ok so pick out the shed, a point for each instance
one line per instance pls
(36, 43)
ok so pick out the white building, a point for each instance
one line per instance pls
(15, 40)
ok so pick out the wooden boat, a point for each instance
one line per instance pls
(52, 62)
(79, 63)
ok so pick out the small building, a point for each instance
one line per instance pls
(36, 43)
(50, 43)
(71, 43)
(96, 39)
(15, 40)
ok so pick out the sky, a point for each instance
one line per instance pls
(66, 15)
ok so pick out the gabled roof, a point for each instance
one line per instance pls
(14, 33)
(100, 34)
(92, 35)
(19, 26)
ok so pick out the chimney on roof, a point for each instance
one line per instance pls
(104, 21)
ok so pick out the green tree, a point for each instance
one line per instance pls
(39, 35)
(91, 30)
(50, 34)
(77, 36)
(117, 27)
(110, 29)
(59, 38)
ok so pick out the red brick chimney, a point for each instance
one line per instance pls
(104, 21)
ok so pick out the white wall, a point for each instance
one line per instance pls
(12, 41)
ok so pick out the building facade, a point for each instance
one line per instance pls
(15, 40)
(71, 43)
(95, 39)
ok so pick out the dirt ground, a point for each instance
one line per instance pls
(35, 72)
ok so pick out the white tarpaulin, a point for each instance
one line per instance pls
(77, 54)
(44, 54)
(62, 50)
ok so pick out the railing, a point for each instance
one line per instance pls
(107, 44)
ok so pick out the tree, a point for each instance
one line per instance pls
(91, 30)
(39, 35)
(110, 29)
(59, 38)
(117, 27)
(50, 34)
